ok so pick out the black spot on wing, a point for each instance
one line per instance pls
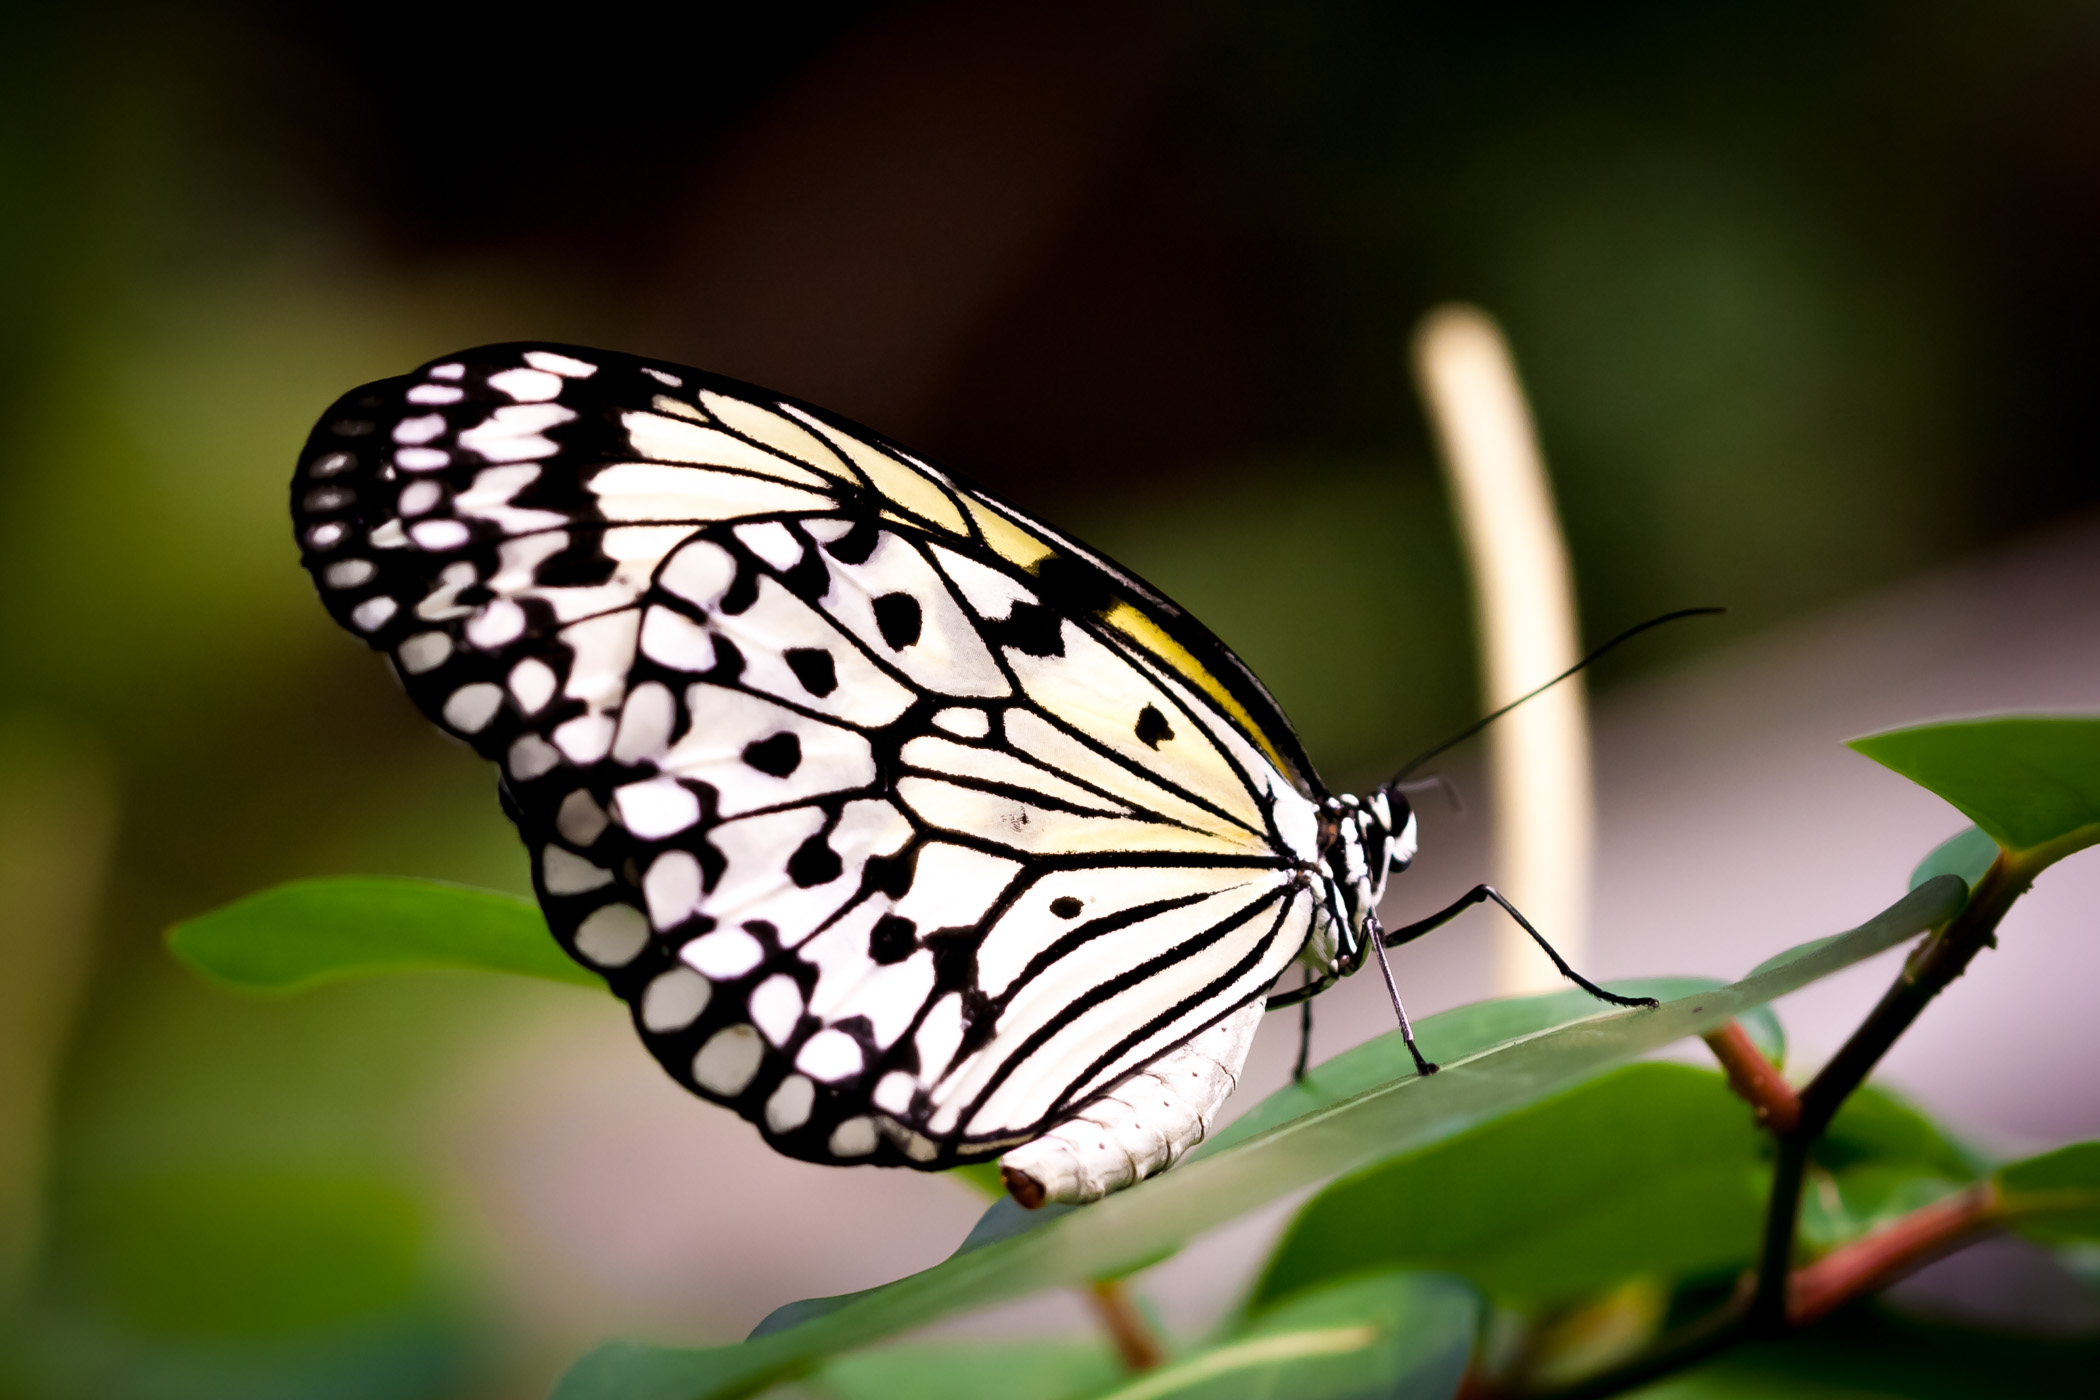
(855, 545)
(893, 940)
(1031, 629)
(1152, 727)
(1066, 907)
(813, 667)
(776, 757)
(814, 863)
(900, 619)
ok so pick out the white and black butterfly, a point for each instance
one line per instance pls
(908, 827)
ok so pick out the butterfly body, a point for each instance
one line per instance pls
(908, 827)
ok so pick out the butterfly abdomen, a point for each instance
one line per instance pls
(1143, 1126)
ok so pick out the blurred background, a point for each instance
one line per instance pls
(1803, 295)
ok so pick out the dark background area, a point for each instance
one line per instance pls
(1803, 294)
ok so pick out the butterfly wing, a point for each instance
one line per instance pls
(904, 824)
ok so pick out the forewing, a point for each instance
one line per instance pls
(889, 845)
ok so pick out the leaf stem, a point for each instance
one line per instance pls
(1943, 957)
(1866, 1264)
(1755, 1078)
(1125, 1325)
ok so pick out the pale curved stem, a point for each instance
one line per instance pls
(1524, 599)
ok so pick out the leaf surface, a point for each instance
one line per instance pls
(2031, 782)
(308, 932)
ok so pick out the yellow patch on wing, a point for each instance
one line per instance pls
(1143, 632)
(904, 485)
(1007, 539)
(777, 431)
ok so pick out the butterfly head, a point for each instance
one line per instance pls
(1366, 840)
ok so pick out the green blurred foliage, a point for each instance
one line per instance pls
(1651, 1169)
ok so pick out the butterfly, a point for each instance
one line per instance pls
(907, 826)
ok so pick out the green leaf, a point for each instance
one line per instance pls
(2032, 782)
(1074, 1245)
(1879, 1128)
(1016, 1370)
(1968, 853)
(311, 931)
(1396, 1335)
(1652, 1170)
(1459, 1033)
(2055, 1198)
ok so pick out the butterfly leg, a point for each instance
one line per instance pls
(1304, 1041)
(1481, 894)
(1407, 1032)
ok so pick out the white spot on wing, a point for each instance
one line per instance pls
(672, 888)
(776, 1007)
(531, 757)
(514, 433)
(349, 573)
(426, 651)
(788, 1108)
(830, 1055)
(725, 953)
(672, 639)
(560, 364)
(532, 683)
(964, 721)
(440, 534)
(565, 872)
(613, 935)
(656, 808)
(470, 708)
(700, 573)
(580, 820)
(729, 1061)
(372, 613)
(586, 738)
(423, 429)
(855, 1137)
(645, 725)
(893, 1094)
(499, 623)
(773, 542)
(526, 385)
(675, 999)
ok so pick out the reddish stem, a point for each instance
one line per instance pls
(1125, 1325)
(1755, 1078)
(1867, 1264)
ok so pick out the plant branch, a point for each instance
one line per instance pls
(1867, 1264)
(1943, 957)
(1125, 1325)
(1755, 1078)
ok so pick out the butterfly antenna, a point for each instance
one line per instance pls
(1435, 782)
(1474, 728)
